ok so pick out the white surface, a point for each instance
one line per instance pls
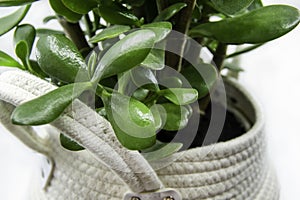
(272, 73)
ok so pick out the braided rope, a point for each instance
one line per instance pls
(89, 129)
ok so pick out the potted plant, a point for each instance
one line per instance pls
(134, 102)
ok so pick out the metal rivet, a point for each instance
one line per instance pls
(135, 198)
(169, 198)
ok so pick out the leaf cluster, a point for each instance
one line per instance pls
(126, 74)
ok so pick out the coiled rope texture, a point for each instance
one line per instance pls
(236, 169)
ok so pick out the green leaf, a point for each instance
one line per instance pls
(169, 12)
(26, 33)
(171, 82)
(125, 54)
(180, 96)
(8, 61)
(44, 31)
(58, 57)
(10, 21)
(231, 7)
(155, 60)
(48, 107)
(69, 144)
(6, 3)
(201, 77)
(36, 68)
(161, 29)
(110, 32)
(22, 52)
(92, 62)
(131, 120)
(158, 122)
(140, 94)
(61, 9)
(24, 37)
(49, 18)
(123, 81)
(255, 5)
(115, 13)
(258, 26)
(174, 117)
(145, 78)
(80, 7)
(233, 67)
(161, 150)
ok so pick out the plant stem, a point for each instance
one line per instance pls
(161, 5)
(89, 26)
(182, 25)
(75, 33)
(220, 56)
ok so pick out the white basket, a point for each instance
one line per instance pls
(236, 169)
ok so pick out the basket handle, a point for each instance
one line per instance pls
(87, 128)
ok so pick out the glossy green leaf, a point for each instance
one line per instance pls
(8, 61)
(22, 52)
(161, 150)
(158, 122)
(10, 21)
(161, 29)
(24, 37)
(6, 3)
(125, 54)
(145, 78)
(26, 33)
(174, 117)
(255, 5)
(69, 144)
(61, 9)
(230, 7)
(49, 18)
(171, 82)
(110, 32)
(44, 31)
(155, 60)
(257, 26)
(58, 57)
(131, 120)
(48, 107)
(140, 94)
(36, 68)
(201, 77)
(169, 12)
(80, 7)
(115, 13)
(92, 62)
(123, 80)
(180, 96)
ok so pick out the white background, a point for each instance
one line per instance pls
(272, 73)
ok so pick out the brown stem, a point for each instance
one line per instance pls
(75, 33)
(182, 25)
(220, 56)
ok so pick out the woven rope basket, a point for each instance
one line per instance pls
(236, 169)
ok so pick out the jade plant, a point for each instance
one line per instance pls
(117, 52)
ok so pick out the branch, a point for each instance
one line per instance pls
(220, 56)
(182, 25)
(75, 33)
